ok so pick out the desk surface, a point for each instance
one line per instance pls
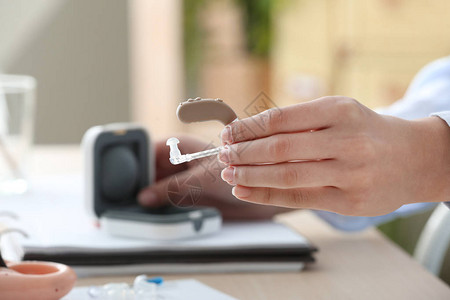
(349, 266)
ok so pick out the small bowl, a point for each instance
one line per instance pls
(35, 280)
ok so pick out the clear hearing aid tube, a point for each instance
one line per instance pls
(177, 158)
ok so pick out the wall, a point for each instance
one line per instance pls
(80, 61)
(156, 64)
(366, 49)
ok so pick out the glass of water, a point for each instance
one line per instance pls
(17, 94)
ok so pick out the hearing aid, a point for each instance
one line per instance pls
(200, 110)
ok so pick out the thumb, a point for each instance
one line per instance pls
(157, 194)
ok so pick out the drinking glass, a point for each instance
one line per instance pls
(17, 96)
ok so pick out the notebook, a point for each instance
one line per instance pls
(60, 230)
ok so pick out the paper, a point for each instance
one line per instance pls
(180, 290)
(60, 229)
(54, 216)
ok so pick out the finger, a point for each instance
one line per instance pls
(152, 196)
(158, 194)
(179, 189)
(323, 198)
(285, 175)
(312, 115)
(281, 148)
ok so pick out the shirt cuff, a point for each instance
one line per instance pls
(354, 223)
(444, 115)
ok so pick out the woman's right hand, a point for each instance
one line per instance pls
(205, 174)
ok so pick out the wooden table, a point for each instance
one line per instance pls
(362, 265)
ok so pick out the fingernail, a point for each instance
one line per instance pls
(228, 175)
(226, 135)
(224, 156)
(147, 198)
(240, 191)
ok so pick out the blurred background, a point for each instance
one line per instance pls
(105, 61)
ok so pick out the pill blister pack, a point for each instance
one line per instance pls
(143, 288)
(147, 288)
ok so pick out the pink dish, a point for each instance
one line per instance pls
(35, 280)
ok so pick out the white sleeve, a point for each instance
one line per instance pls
(429, 92)
(444, 115)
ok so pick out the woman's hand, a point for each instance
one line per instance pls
(214, 192)
(335, 154)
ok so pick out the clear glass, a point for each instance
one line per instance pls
(17, 96)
